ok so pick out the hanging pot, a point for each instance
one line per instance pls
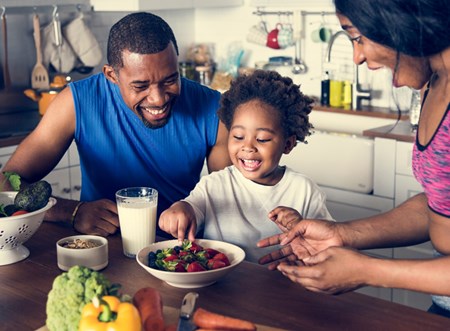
(45, 97)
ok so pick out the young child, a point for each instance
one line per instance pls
(266, 115)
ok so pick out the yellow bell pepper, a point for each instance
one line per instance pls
(109, 314)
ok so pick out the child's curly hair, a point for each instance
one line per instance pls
(277, 91)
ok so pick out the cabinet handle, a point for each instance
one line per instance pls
(66, 190)
(77, 188)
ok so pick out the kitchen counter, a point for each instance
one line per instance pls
(378, 112)
(400, 132)
(250, 292)
(19, 115)
(15, 126)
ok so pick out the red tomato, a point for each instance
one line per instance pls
(19, 212)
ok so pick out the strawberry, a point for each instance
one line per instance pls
(195, 248)
(216, 264)
(222, 257)
(195, 267)
(170, 258)
(180, 267)
(211, 252)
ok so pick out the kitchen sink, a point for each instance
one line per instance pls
(337, 155)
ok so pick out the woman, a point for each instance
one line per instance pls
(411, 37)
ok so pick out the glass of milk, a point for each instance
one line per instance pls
(137, 218)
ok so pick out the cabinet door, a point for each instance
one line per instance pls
(75, 182)
(405, 188)
(60, 181)
(137, 5)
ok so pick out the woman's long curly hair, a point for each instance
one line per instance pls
(277, 91)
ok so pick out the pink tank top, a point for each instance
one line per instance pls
(431, 167)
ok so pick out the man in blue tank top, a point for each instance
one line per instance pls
(136, 124)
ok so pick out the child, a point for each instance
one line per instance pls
(266, 115)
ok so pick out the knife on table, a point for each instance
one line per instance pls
(187, 308)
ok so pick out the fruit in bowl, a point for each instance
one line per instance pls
(195, 278)
(18, 228)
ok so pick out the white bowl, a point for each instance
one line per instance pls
(15, 230)
(192, 279)
(95, 258)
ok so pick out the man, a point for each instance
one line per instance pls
(136, 124)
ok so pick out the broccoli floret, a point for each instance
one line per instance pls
(70, 292)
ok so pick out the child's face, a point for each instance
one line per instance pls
(256, 142)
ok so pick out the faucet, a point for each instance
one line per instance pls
(357, 93)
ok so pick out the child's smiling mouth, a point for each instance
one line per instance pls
(250, 165)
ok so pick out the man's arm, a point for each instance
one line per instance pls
(42, 149)
(218, 157)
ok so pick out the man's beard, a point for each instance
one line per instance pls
(156, 125)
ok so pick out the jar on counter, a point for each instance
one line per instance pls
(204, 74)
(187, 70)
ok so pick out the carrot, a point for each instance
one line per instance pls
(148, 301)
(205, 319)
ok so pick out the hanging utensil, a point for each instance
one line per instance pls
(39, 75)
(6, 76)
(58, 35)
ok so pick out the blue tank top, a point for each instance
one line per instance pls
(117, 150)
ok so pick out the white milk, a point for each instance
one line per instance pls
(137, 225)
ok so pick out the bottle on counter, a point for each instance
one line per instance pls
(325, 90)
(347, 95)
(336, 93)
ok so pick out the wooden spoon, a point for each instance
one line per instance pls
(39, 75)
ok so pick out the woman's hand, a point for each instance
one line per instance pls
(335, 270)
(179, 219)
(305, 239)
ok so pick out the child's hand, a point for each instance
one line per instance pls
(285, 218)
(179, 218)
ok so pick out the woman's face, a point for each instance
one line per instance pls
(256, 142)
(406, 70)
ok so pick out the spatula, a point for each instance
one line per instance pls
(6, 76)
(39, 75)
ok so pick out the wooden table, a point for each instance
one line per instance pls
(250, 292)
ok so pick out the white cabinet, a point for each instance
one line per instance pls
(142, 5)
(65, 178)
(290, 3)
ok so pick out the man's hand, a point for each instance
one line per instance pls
(97, 218)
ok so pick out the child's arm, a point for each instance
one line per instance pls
(285, 217)
(178, 219)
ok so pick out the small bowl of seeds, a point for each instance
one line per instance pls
(84, 250)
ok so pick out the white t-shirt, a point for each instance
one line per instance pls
(235, 209)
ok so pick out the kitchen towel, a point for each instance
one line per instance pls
(83, 42)
(62, 57)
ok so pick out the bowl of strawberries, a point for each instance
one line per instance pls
(190, 264)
